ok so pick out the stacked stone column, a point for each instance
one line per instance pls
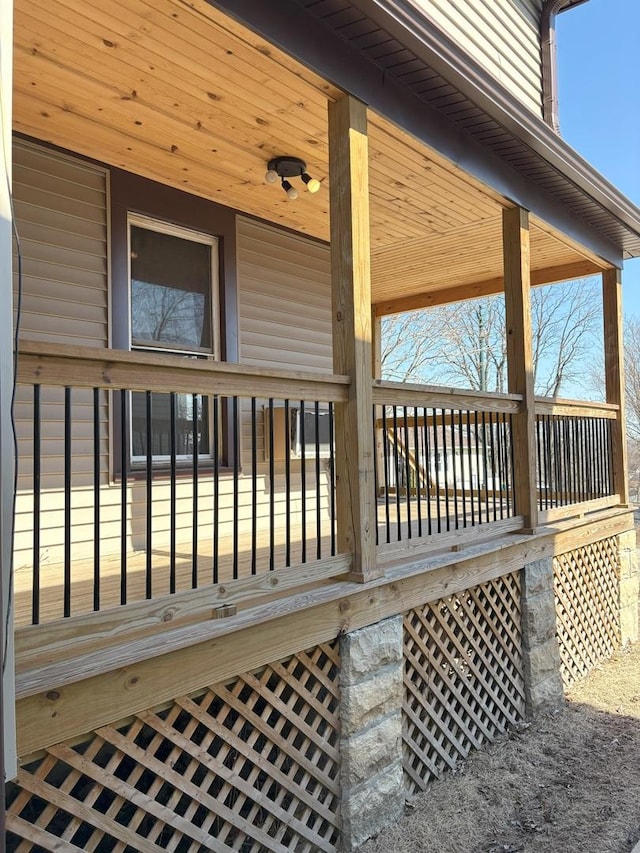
(371, 736)
(543, 679)
(629, 587)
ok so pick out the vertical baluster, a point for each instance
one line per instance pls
(539, 439)
(427, 464)
(419, 468)
(445, 467)
(500, 454)
(96, 499)
(67, 503)
(216, 488)
(387, 462)
(508, 462)
(436, 456)
(407, 467)
(512, 464)
(195, 458)
(454, 465)
(476, 433)
(492, 452)
(35, 591)
(236, 482)
(461, 449)
(317, 460)
(396, 471)
(287, 482)
(332, 481)
(547, 458)
(272, 491)
(471, 457)
(172, 491)
(303, 483)
(485, 464)
(376, 475)
(149, 495)
(124, 464)
(254, 482)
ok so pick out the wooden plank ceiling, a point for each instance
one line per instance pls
(179, 93)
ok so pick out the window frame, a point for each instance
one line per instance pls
(134, 198)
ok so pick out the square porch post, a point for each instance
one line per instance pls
(517, 296)
(614, 376)
(352, 350)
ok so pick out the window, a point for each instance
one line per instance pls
(173, 274)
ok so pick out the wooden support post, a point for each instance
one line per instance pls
(517, 288)
(352, 352)
(614, 375)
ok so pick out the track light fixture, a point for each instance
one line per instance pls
(290, 167)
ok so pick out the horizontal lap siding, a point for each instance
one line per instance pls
(501, 35)
(61, 208)
(61, 216)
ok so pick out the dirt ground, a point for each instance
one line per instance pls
(568, 782)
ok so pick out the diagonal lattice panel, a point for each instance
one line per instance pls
(463, 678)
(249, 765)
(587, 590)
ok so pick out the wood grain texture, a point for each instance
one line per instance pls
(352, 350)
(614, 374)
(517, 284)
(99, 689)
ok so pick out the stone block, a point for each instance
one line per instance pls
(545, 694)
(627, 540)
(629, 591)
(375, 696)
(538, 577)
(368, 809)
(542, 662)
(366, 650)
(539, 618)
(629, 563)
(629, 624)
(369, 752)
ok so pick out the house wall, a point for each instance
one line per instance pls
(62, 207)
(502, 35)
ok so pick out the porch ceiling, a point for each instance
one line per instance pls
(180, 93)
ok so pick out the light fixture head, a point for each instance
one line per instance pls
(290, 167)
(292, 192)
(313, 184)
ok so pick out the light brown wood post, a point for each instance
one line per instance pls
(614, 375)
(517, 293)
(352, 352)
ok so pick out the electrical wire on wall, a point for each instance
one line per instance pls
(16, 339)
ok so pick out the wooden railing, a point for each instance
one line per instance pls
(444, 462)
(574, 456)
(143, 475)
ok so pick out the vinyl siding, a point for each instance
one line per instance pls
(501, 35)
(284, 283)
(285, 319)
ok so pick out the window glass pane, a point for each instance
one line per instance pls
(189, 408)
(170, 290)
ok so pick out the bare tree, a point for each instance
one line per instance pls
(465, 343)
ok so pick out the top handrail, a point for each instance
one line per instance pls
(575, 408)
(409, 394)
(65, 365)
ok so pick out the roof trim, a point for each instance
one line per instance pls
(405, 23)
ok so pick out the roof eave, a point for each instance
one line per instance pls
(406, 24)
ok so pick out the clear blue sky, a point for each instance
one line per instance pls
(599, 99)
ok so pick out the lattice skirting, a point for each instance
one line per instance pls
(587, 588)
(463, 677)
(250, 765)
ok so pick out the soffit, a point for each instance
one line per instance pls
(184, 95)
(406, 46)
